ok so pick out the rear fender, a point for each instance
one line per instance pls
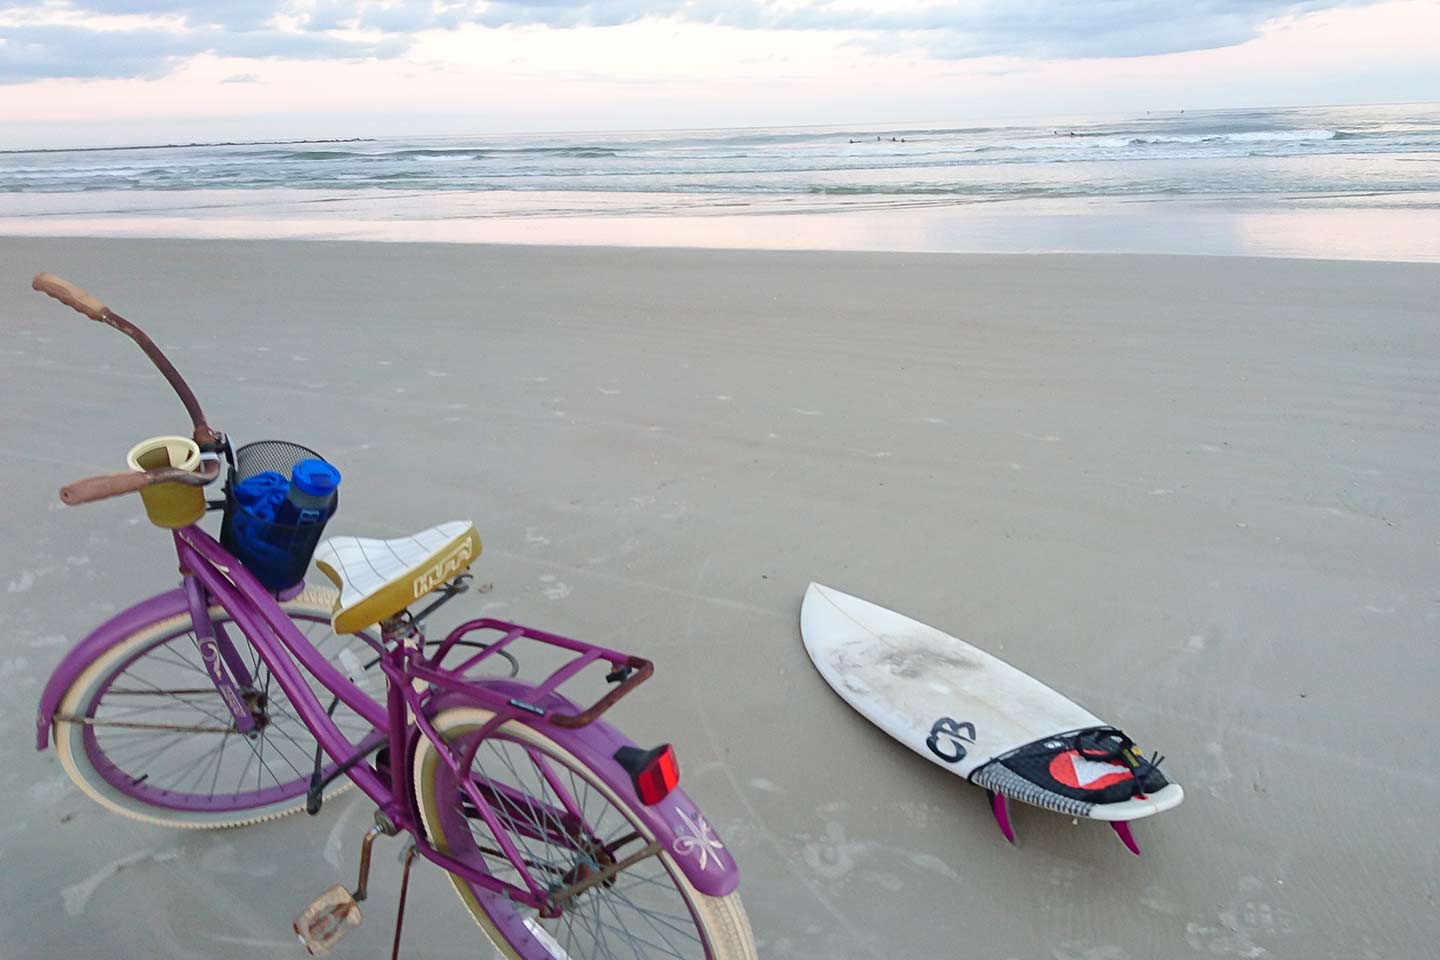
(160, 607)
(678, 825)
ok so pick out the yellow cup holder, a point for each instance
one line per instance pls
(169, 505)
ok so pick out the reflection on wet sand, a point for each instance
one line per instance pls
(1338, 227)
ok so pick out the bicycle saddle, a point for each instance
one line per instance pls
(379, 578)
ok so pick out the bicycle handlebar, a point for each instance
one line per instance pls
(70, 295)
(99, 488)
(115, 484)
(77, 299)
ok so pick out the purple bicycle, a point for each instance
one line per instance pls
(230, 701)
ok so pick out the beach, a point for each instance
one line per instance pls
(1194, 494)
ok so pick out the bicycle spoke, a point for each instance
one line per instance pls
(601, 941)
(202, 767)
(130, 713)
(630, 935)
(182, 692)
(173, 658)
(595, 905)
(213, 762)
(569, 940)
(180, 653)
(260, 756)
(276, 750)
(582, 917)
(519, 835)
(620, 925)
(156, 689)
(220, 760)
(249, 756)
(280, 729)
(668, 921)
(144, 758)
(527, 794)
(634, 881)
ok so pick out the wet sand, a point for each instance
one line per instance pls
(1197, 495)
(1335, 229)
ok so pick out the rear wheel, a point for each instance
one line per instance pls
(567, 826)
(150, 737)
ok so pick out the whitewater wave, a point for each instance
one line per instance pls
(432, 153)
(1244, 136)
(581, 152)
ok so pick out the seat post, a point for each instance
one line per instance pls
(402, 631)
(401, 637)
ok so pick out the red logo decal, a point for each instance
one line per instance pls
(1073, 770)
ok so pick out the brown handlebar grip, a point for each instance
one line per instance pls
(99, 488)
(69, 294)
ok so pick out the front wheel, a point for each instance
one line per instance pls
(143, 730)
(566, 824)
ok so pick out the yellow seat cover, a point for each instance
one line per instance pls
(379, 578)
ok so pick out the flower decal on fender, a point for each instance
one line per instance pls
(694, 839)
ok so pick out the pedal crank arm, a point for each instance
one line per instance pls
(363, 885)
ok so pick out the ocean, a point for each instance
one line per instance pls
(1349, 182)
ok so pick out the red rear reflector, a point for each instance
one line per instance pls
(654, 772)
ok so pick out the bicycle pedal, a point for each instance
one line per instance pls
(328, 919)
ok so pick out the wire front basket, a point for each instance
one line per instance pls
(277, 554)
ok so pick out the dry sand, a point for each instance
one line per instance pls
(1196, 495)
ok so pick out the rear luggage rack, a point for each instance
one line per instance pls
(627, 672)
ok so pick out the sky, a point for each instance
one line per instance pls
(102, 72)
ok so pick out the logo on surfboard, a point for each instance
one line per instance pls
(1082, 773)
(951, 749)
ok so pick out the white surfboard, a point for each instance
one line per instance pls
(978, 717)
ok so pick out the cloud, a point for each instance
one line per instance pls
(59, 38)
(233, 15)
(241, 78)
(1047, 29)
(49, 51)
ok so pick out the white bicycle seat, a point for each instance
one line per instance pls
(379, 578)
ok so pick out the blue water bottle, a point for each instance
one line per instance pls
(311, 496)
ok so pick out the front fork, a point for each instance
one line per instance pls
(223, 663)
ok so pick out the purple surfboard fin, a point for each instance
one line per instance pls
(1000, 806)
(1122, 830)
